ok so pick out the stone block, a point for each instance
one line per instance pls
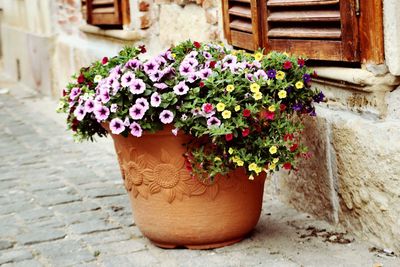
(93, 226)
(391, 20)
(212, 16)
(40, 236)
(182, 23)
(311, 188)
(368, 173)
(15, 256)
(145, 21)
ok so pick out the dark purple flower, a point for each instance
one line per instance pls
(319, 97)
(297, 106)
(306, 78)
(271, 74)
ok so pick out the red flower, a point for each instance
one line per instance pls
(301, 62)
(294, 147)
(142, 49)
(104, 60)
(64, 93)
(197, 45)
(245, 132)
(287, 65)
(315, 75)
(287, 166)
(282, 107)
(212, 64)
(228, 137)
(208, 108)
(74, 126)
(288, 137)
(81, 78)
(201, 84)
(246, 112)
(268, 115)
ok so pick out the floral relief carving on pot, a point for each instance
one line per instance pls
(133, 171)
(199, 187)
(168, 176)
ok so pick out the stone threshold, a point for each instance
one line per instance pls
(126, 35)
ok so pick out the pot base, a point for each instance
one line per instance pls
(199, 246)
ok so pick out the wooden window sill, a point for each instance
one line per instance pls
(125, 35)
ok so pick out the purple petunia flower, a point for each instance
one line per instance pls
(156, 76)
(143, 101)
(185, 69)
(127, 122)
(271, 74)
(297, 106)
(181, 88)
(213, 122)
(136, 130)
(249, 77)
(80, 113)
(105, 95)
(319, 97)
(89, 105)
(117, 126)
(160, 60)
(137, 87)
(175, 131)
(192, 54)
(161, 86)
(260, 74)
(113, 107)
(151, 66)
(166, 116)
(155, 100)
(306, 78)
(205, 73)
(167, 55)
(133, 64)
(101, 112)
(207, 55)
(192, 77)
(127, 79)
(75, 92)
(256, 64)
(137, 112)
(229, 60)
(192, 62)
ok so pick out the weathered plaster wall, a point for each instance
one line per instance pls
(391, 9)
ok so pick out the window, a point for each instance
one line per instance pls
(337, 30)
(106, 13)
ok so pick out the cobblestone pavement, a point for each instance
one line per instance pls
(63, 204)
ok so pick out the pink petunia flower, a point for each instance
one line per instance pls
(143, 101)
(156, 76)
(127, 79)
(89, 105)
(75, 92)
(113, 107)
(213, 122)
(185, 69)
(192, 77)
(133, 64)
(101, 112)
(137, 112)
(155, 100)
(105, 95)
(166, 116)
(205, 73)
(127, 122)
(117, 126)
(261, 74)
(150, 66)
(207, 108)
(137, 87)
(80, 113)
(181, 88)
(136, 130)
(160, 86)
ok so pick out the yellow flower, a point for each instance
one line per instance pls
(217, 159)
(231, 150)
(220, 106)
(258, 170)
(173, 55)
(254, 88)
(251, 177)
(257, 95)
(240, 163)
(269, 82)
(258, 56)
(226, 114)
(285, 54)
(269, 55)
(273, 149)
(280, 75)
(230, 87)
(234, 52)
(299, 85)
(282, 94)
(252, 166)
(271, 108)
(275, 160)
(272, 166)
(237, 108)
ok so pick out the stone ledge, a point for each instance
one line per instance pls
(126, 35)
(357, 79)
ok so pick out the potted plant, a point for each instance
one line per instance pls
(196, 129)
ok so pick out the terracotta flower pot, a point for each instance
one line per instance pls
(172, 208)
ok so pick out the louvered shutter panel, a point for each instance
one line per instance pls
(104, 13)
(241, 24)
(319, 29)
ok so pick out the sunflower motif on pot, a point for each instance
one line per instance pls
(168, 176)
(133, 170)
(199, 186)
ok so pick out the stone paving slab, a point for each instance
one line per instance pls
(63, 204)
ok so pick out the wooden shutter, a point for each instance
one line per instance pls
(318, 29)
(241, 24)
(110, 13)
